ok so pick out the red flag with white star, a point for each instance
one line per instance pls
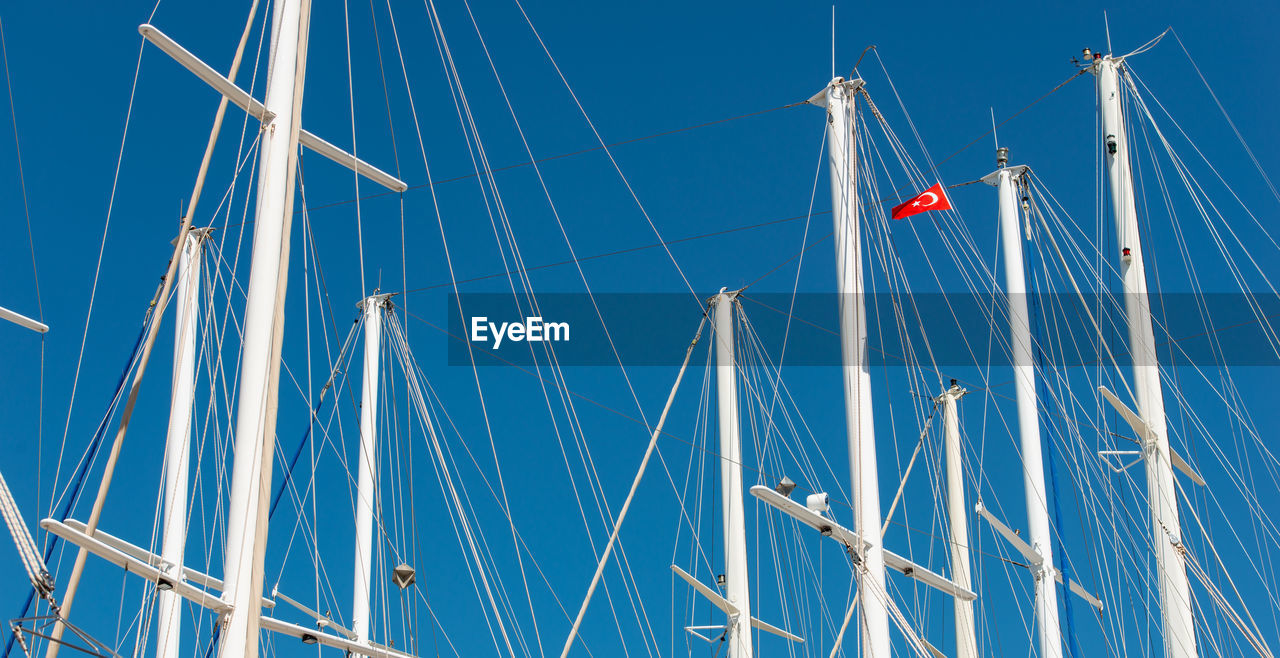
(934, 198)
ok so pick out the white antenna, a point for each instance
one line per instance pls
(994, 136)
(833, 41)
(1107, 24)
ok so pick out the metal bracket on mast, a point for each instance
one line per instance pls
(378, 299)
(1015, 172)
(244, 101)
(1106, 456)
(820, 98)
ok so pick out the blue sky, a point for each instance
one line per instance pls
(637, 70)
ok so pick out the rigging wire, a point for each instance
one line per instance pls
(570, 154)
(35, 270)
(1239, 137)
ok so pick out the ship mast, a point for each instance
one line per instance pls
(1048, 627)
(1175, 591)
(958, 518)
(873, 618)
(177, 451)
(736, 586)
(367, 483)
(263, 327)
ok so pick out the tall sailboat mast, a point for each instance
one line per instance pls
(1175, 591)
(736, 587)
(367, 481)
(177, 451)
(1048, 627)
(263, 327)
(958, 520)
(873, 617)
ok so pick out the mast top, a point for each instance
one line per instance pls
(1015, 172)
(197, 233)
(377, 299)
(837, 83)
(730, 295)
(955, 391)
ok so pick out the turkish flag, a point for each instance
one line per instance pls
(934, 198)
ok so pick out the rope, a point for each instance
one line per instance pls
(159, 303)
(22, 179)
(1007, 119)
(36, 570)
(1068, 626)
(35, 270)
(306, 436)
(635, 484)
(538, 161)
(82, 470)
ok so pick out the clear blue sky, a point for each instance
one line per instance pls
(638, 69)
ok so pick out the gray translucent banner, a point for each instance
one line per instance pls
(941, 329)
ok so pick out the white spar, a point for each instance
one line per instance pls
(177, 451)
(1166, 527)
(729, 608)
(838, 99)
(367, 479)
(1033, 558)
(1040, 530)
(853, 541)
(737, 586)
(958, 521)
(244, 101)
(254, 437)
(22, 320)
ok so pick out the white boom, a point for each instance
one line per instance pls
(23, 321)
(856, 544)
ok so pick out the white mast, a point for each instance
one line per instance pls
(1040, 535)
(255, 416)
(1175, 592)
(958, 517)
(177, 451)
(838, 98)
(737, 588)
(367, 487)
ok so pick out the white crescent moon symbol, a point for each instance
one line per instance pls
(929, 194)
